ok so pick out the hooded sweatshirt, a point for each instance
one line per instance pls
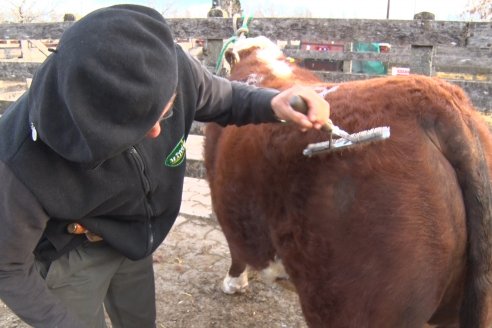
(73, 148)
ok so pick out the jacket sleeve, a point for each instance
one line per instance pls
(22, 288)
(226, 102)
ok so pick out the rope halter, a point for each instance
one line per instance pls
(240, 33)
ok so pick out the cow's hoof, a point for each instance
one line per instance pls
(232, 285)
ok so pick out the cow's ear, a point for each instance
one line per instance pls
(231, 57)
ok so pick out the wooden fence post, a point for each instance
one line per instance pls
(421, 60)
(421, 56)
(26, 52)
(212, 48)
(347, 64)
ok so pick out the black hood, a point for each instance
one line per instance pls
(106, 85)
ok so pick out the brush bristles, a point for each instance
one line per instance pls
(379, 133)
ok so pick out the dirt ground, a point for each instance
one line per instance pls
(11, 90)
(189, 269)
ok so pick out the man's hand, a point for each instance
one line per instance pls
(318, 108)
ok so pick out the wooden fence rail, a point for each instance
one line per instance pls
(424, 46)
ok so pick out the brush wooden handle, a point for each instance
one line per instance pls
(300, 105)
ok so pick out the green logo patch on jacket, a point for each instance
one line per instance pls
(177, 155)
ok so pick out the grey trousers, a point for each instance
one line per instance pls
(94, 274)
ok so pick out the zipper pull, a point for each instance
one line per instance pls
(34, 132)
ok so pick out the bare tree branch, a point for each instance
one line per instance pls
(28, 11)
(479, 8)
(168, 8)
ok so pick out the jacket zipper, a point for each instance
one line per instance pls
(146, 188)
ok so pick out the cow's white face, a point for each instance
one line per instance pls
(260, 42)
(268, 53)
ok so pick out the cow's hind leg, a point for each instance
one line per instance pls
(236, 280)
(249, 244)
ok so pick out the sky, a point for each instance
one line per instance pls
(373, 9)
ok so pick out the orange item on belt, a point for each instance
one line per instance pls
(78, 229)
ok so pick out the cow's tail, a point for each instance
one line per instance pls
(477, 192)
(464, 144)
(212, 135)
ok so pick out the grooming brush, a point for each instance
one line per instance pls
(345, 140)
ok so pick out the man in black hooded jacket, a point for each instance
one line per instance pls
(84, 145)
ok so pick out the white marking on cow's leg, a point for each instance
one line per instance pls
(274, 271)
(232, 285)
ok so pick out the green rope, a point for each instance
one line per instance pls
(241, 32)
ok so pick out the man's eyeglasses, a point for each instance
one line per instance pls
(169, 106)
(169, 114)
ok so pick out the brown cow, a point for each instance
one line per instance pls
(394, 233)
